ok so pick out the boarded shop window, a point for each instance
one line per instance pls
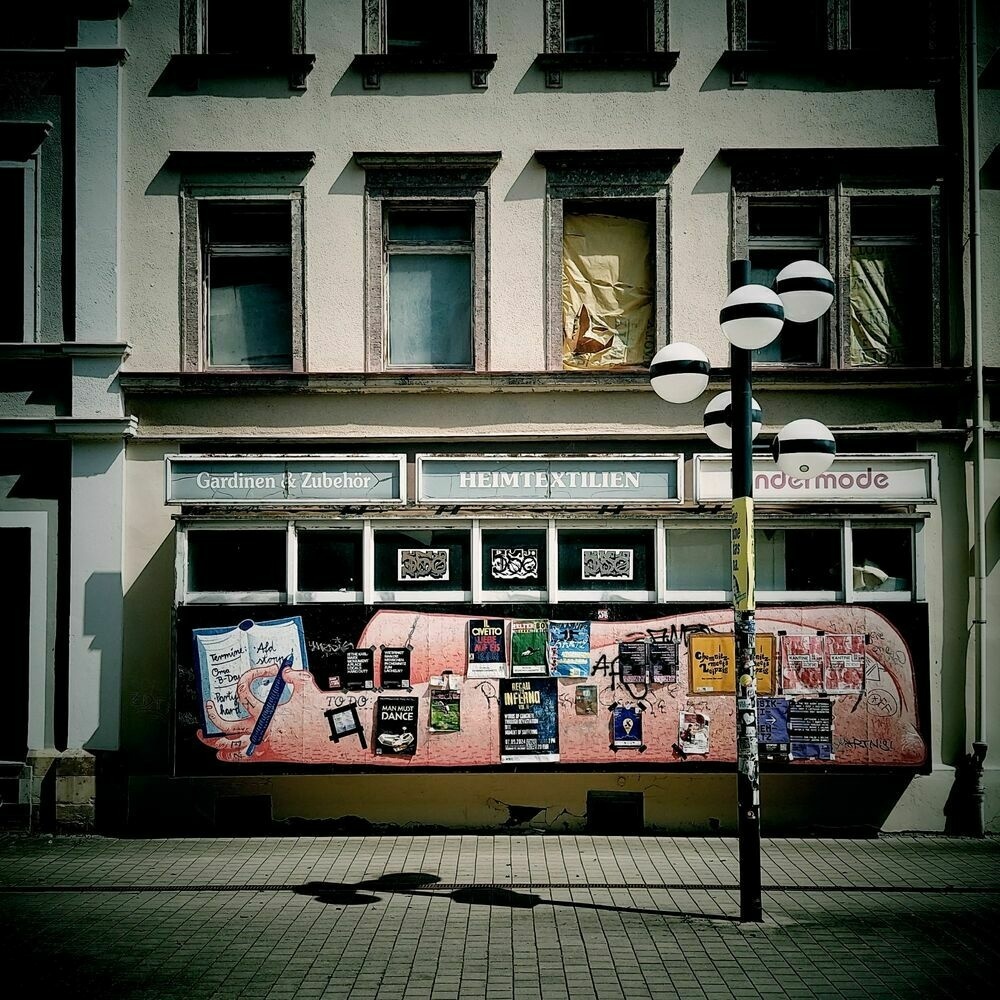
(248, 278)
(798, 559)
(780, 233)
(514, 560)
(330, 560)
(606, 560)
(890, 293)
(418, 560)
(246, 560)
(883, 559)
(608, 286)
(590, 26)
(229, 29)
(410, 27)
(698, 559)
(429, 253)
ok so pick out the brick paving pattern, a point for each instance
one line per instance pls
(500, 918)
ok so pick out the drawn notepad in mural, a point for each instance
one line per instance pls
(225, 654)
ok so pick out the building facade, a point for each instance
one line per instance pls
(332, 367)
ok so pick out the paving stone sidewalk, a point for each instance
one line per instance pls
(500, 918)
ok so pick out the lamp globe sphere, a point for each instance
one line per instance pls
(804, 449)
(806, 289)
(678, 373)
(718, 420)
(751, 317)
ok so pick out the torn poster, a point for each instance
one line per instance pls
(586, 699)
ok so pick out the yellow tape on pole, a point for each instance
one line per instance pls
(744, 596)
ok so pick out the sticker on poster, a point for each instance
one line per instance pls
(487, 648)
(626, 728)
(844, 664)
(810, 728)
(664, 660)
(633, 662)
(772, 728)
(586, 699)
(529, 720)
(359, 669)
(569, 643)
(395, 666)
(396, 726)
(802, 664)
(529, 648)
(693, 732)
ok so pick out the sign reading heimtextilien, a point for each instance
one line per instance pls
(285, 479)
(612, 479)
(851, 478)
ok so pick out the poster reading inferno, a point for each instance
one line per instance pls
(868, 665)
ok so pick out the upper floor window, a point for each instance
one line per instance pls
(586, 35)
(606, 271)
(405, 36)
(878, 235)
(426, 259)
(227, 28)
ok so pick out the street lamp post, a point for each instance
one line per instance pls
(751, 317)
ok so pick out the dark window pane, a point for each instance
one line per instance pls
(798, 343)
(778, 220)
(416, 560)
(247, 224)
(901, 218)
(901, 24)
(798, 559)
(589, 26)
(883, 559)
(699, 559)
(513, 560)
(430, 226)
(785, 24)
(231, 26)
(236, 560)
(12, 273)
(250, 312)
(329, 560)
(606, 560)
(443, 26)
(430, 309)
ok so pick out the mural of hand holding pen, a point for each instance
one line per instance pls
(270, 704)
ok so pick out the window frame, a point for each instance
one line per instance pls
(753, 179)
(418, 180)
(614, 176)
(375, 59)
(657, 56)
(194, 278)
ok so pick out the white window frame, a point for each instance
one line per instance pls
(485, 595)
(690, 596)
(298, 528)
(451, 596)
(560, 595)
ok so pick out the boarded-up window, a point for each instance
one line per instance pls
(608, 284)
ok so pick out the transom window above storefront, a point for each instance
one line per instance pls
(548, 560)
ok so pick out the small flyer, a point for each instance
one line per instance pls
(802, 664)
(772, 728)
(633, 662)
(626, 728)
(810, 728)
(487, 648)
(844, 667)
(446, 711)
(359, 669)
(586, 699)
(528, 648)
(570, 648)
(664, 660)
(396, 726)
(395, 666)
(693, 732)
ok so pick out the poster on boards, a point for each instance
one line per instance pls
(586, 699)
(810, 728)
(633, 662)
(844, 664)
(529, 720)
(772, 728)
(396, 727)
(445, 710)
(529, 648)
(664, 660)
(487, 648)
(395, 667)
(693, 734)
(713, 663)
(569, 644)
(626, 728)
(359, 669)
(802, 664)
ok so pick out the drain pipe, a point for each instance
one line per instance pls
(979, 747)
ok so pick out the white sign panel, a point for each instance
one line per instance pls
(852, 479)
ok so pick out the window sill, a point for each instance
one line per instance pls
(847, 67)
(371, 65)
(187, 70)
(556, 63)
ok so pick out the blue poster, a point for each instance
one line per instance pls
(569, 647)
(626, 728)
(529, 720)
(772, 722)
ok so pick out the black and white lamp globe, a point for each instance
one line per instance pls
(804, 448)
(806, 290)
(718, 420)
(678, 373)
(751, 317)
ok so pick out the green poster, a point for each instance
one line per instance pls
(446, 711)
(528, 647)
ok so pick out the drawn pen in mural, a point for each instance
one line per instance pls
(270, 704)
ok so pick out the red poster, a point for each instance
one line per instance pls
(844, 667)
(801, 664)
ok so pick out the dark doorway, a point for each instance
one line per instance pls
(615, 812)
(15, 544)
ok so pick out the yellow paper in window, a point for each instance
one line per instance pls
(607, 291)
(713, 663)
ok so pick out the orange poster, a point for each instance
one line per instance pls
(713, 664)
